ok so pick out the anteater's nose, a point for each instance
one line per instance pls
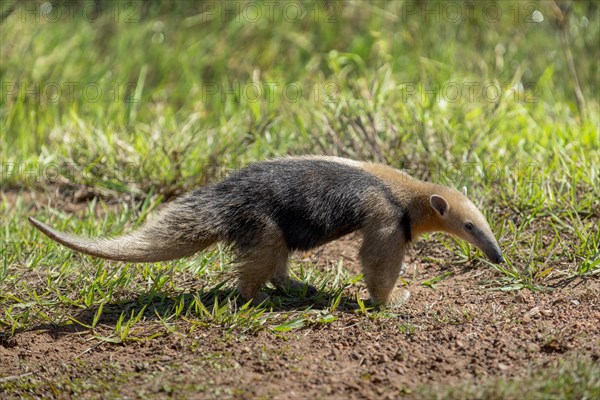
(499, 259)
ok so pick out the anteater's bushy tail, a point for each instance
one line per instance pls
(175, 232)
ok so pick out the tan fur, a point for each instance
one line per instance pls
(412, 193)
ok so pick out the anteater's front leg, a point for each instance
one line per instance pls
(381, 253)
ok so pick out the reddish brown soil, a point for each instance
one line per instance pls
(457, 331)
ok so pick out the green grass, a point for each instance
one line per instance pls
(177, 110)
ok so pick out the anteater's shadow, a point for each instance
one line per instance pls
(203, 303)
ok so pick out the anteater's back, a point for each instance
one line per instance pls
(312, 201)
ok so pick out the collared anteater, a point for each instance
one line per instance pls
(269, 209)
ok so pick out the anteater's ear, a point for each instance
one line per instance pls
(464, 190)
(439, 204)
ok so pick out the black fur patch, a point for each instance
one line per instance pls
(405, 222)
(311, 201)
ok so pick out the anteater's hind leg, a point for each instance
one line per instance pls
(282, 281)
(260, 263)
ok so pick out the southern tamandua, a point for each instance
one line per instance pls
(269, 209)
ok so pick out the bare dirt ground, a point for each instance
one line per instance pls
(456, 331)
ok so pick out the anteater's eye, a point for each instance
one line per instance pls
(469, 226)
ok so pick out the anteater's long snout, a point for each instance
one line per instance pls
(485, 240)
(494, 253)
